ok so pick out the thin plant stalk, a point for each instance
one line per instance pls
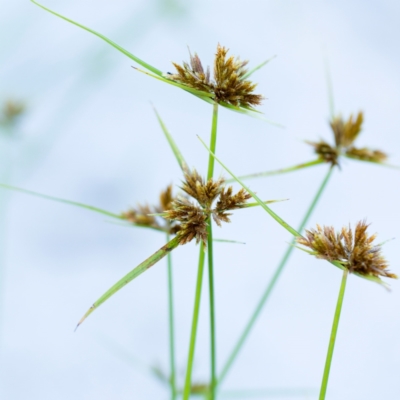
(213, 141)
(332, 340)
(280, 171)
(271, 283)
(196, 311)
(212, 312)
(171, 326)
(210, 173)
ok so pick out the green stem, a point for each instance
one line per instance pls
(171, 326)
(196, 310)
(210, 174)
(212, 312)
(280, 171)
(271, 283)
(332, 340)
(213, 141)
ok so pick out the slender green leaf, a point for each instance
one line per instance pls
(227, 241)
(178, 155)
(196, 92)
(372, 162)
(72, 203)
(281, 171)
(251, 72)
(248, 205)
(250, 112)
(109, 41)
(281, 221)
(145, 265)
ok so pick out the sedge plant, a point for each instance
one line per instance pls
(345, 132)
(206, 200)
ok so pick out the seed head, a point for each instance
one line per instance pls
(345, 133)
(11, 111)
(228, 85)
(326, 152)
(191, 220)
(355, 251)
(226, 202)
(141, 215)
(366, 154)
(204, 192)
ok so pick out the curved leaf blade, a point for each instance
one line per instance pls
(59, 200)
(178, 155)
(107, 40)
(130, 276)
(280, 171)
(251, 72)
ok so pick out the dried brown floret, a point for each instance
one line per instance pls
(346, 132)
(366, 154)
(141, 215)
(166, 199)
(227, 202)
(355, 251)
(326, 152)
(229, 84)
(204, 192)
(192, 220)
(199, 388)
(11, 111)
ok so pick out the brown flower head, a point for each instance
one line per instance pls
(192, 219)
(229, 84)
(345, 133)
(366, 154)
(354, 250)
(142, 214)
(11, 111)
(326, 152)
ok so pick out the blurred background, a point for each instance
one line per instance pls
(89, 134)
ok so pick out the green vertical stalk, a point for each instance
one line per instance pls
(171, 326)
(196, 310)
(187, 387)
(210, 174)
(332, 340)
(213, 141)
(271, 283)
(212, 312)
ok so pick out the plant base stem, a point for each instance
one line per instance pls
(332, 340)
(196, 311)
(272, 283)
(212, 312)
(171, 326)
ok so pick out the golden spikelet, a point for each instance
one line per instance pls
(345, 133)
(228, 85)
(366, 154)
(141, 215)
(354, 250)
(191, 220)
(326, 152)
(12, 109)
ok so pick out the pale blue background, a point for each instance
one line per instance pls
(90, 135)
